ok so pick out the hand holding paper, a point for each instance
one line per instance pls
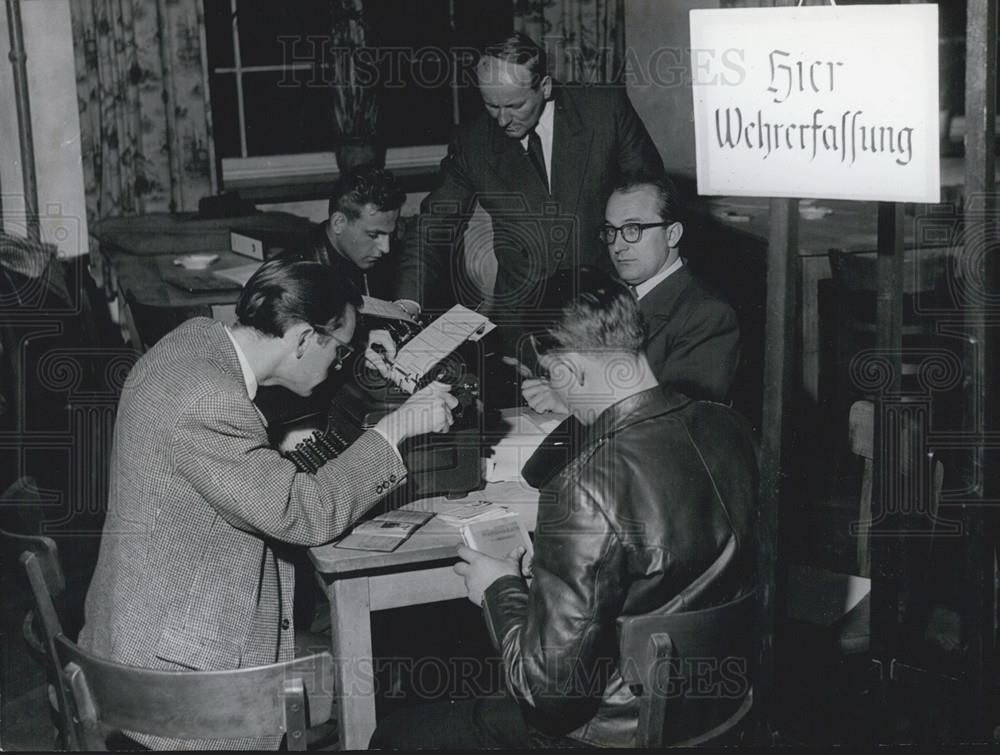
(480, 571)
(380, 352)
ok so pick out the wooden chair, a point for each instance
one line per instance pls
(101, 697)
(692, 673)
(22, 500)
(861, 432)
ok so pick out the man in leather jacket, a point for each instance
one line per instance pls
(655, 514)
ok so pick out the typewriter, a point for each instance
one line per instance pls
(447, 464)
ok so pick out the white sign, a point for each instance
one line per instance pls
(823, 101)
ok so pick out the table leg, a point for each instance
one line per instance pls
(351, 629)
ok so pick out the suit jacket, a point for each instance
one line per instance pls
(693, 337)
(597, 136)
(191, 572)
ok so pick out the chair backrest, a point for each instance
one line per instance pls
(692, 672)
(930, 269)
(252, 702)
(42, 627)
(98, 695)
(21, 507)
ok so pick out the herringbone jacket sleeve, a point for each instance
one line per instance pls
(219, 449)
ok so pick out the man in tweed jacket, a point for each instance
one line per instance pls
(191, 573)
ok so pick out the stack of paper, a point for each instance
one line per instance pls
(462, 514)
(527, 431)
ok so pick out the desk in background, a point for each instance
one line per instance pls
(419, 571)
(136, 250)
(742, 222)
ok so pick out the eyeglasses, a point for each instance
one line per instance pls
(344, 350)
(631, 232)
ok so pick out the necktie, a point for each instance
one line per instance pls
(537, 156)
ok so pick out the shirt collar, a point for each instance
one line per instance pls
(648, 285)
(248, 377)
(544, 125)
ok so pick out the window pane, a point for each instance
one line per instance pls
(285, 119)
(476, 24)
(261, 24)
(412, 41)
(225, 118)
(412, 44)
(219, 34)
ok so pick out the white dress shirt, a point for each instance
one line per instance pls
(650, 283)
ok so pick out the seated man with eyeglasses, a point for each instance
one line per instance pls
(194, 570)
(692, 334)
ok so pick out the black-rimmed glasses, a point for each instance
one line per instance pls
(344, 350)
(631, 232)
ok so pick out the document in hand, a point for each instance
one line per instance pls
(497, 537)
(385, 532)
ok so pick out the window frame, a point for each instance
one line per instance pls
(267, 175)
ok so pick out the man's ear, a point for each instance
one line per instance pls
(575, 363)
(674, 233)
(546, 85)
(338, 221)
(297, 336)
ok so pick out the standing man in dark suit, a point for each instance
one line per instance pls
(539, 160)
(692, 335)
(192, 573)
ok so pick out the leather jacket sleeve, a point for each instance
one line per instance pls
(558, 638)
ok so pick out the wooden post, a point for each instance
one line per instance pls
(18, 58)
(886, 563)
(780, 344)
(980, 223)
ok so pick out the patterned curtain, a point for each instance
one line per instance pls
(145, 121)
(584, 39)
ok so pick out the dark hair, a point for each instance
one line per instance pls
(595, 312)
(522, 50)
(287, 290)
(365, 184)
(668, 205)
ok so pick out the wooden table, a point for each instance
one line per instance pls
(137, 250)
(419, 571)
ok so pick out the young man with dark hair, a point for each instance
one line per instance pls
(363, 213)
(192, 573)
(654, 514)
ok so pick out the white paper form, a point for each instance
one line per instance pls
(436, 341)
